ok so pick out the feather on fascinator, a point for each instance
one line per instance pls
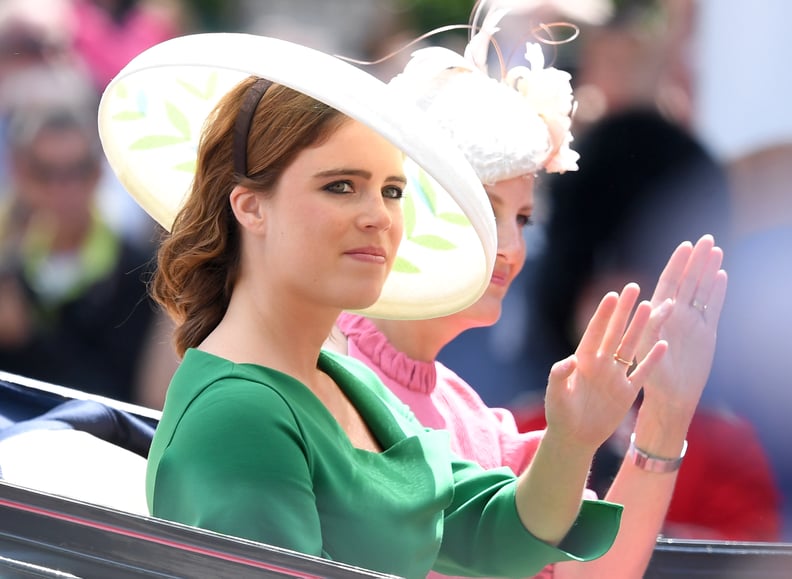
(516, 125)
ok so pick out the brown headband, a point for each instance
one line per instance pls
(242, 126)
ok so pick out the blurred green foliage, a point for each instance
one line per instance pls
(213, 15)
(426, 15)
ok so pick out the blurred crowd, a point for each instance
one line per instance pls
(674, 144)
(74, 247)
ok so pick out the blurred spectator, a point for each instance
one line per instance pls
(745, 118)
(644, 185)
(107, 34)
(725, 490)
(33, 34)
(39, 68)
(345, 27)
(73, 304)
(32, 31)
(638, 57)
(753, 364)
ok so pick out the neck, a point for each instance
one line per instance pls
(271, 333)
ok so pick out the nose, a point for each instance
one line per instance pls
(376, 212)
(511, 243)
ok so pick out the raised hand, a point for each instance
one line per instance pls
(694, 281)
(590, 392)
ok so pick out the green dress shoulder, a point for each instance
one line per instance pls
(251, 452)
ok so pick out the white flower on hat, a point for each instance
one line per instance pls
(549, 92)
(505, 127)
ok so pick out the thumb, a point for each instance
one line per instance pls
(657, 319)
(562, 370)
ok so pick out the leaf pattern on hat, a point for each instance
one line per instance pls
(178, 121)
(424, 189)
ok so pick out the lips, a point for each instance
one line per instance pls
(370, 254)
(500, 278)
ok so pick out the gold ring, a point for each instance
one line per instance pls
(699, 306)
(621, 360)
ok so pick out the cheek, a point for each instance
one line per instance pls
(395, 233)
(314, 220)
(511, 238)
(396, 229)
(397, 220)
(522, 253)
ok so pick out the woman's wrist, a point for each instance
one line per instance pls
(671, 402)
(661, 430)
(654, 463)
(570, 447)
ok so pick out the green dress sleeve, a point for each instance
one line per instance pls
(237, 464)
(484, 534)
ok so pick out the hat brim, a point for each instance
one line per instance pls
(151, 115)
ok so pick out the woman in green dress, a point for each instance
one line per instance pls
(293, 216)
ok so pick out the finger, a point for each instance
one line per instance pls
(654, 327)
(598, 324)
(704, 289)
(671, 276)
(648, 363)
(657, 318)
(695, 268)
(628, 346)
(618, 321)
(562, 369)
(558, 385)
(717, 296)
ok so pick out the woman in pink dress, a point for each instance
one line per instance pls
(522, 129)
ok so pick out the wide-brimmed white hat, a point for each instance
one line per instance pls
(152, 112)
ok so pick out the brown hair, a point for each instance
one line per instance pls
(198, 262)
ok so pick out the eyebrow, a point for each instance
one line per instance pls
(357, 173)
(529, 207)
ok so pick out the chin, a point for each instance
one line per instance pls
(359, 301)
(485, 312)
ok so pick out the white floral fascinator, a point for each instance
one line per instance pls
(506, 127)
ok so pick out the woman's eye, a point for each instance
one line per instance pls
(524, 220)
(393, 192)
(339, 187)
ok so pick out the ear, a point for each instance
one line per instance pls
(248, 208)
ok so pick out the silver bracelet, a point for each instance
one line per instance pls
(651, 463)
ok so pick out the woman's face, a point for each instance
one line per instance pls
(57, 176)
(512, 202)
(334, 221)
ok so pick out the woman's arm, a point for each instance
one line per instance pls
(672, 391)
(588, 395)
